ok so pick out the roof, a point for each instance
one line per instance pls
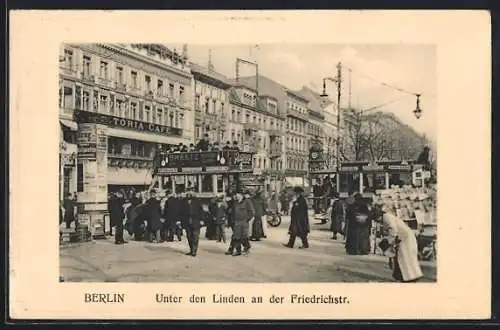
(197, 68)
(267, 87)
(315, 103)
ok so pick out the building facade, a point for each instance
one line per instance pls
(297, 149)
(211, 103)
(117, 104)
(257, 122)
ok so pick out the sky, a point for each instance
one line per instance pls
(408, 67)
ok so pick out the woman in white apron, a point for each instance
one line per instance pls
(406, 265)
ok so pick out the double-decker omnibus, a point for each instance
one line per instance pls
(209, 173)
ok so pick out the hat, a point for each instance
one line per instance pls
(298, 190)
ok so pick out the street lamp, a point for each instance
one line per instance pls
(338, 81)
(418, 111)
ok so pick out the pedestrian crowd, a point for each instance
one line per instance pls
(204, 144)
(159, 218)
(389, 215)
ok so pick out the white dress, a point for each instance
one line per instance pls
(407, 252)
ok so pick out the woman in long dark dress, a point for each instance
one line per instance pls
(260, 207)
(211, 225)
(358, 226)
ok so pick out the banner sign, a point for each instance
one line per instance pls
(400, 167)
(193, 170)
(130, 124)
(210, 160)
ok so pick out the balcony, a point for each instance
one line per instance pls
(251, 126)
(135, 90)
(162, 96)
(275, 153)
(88, 77)
(68, 70)
(275, 133)
(121, 86)
(149, 94)
(297, 114)
(105, 82)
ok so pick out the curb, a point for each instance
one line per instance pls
(75, 245)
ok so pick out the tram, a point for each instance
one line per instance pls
(209, 173)
(365, 177)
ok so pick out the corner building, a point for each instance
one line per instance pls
(118, 103)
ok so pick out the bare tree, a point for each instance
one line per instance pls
(377, 136)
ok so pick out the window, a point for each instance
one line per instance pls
(233, 113)
(78, 97)
(222, 108)
(254, 119)
(119, 108)
(119, 75)
(206, 105)
(176, 120)
(133, 110)
(159, 87)
(171, 117)
(86, 100)
(104, 70)
(159, 116)
(147, 79)
(68, 97)
(68, 58)
(86, 66)
(214, 102)
(147, 111)
(133, 77)
(103, 103)
(247, 118)
(197, 103)
(171, 88)
(154, 117)
(181, 94)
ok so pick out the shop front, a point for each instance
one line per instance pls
(113, 154)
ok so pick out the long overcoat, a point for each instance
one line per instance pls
(242, 213)
(299, 222)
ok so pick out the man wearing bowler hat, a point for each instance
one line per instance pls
(299, 222)
(191, 221)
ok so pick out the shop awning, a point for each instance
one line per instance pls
(69, 124)
(141, 136)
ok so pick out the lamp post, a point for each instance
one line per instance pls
(338, 81)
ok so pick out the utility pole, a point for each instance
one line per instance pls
(337, 151)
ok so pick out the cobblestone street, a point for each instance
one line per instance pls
(269, 261)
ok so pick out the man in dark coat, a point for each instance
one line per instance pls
(242, 213)
(192, 214)
(299, 222)
(153, 217)
(317, 194)
(338, 216)
(117, 214)
(203, 144)
(69, 210)
(171, 215)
